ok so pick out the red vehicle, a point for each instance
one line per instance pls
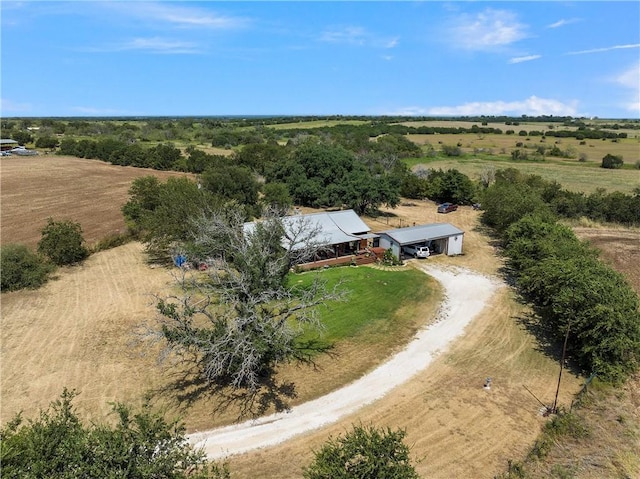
(447, 208)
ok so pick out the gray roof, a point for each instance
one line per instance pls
(7, 142)
(333, 227)
(414, 234)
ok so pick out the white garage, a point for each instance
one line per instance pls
(441, 238)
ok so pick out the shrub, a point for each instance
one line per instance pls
(364, 452)
(141, 445)
(22, 268)
(62, 242)
(112, 241)
(612, 161)
(450, 150)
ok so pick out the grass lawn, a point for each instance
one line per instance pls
(374, 300)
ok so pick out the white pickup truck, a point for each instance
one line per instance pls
(416, 251)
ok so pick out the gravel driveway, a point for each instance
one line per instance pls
(466, 294)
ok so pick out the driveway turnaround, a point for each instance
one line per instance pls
(466, 294)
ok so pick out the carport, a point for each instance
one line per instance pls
(441, 238)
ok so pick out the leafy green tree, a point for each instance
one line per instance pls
(231, 182)
(536, 237)
(504, 203)
(452, 186)
(22, 137)
(163, 157)
(62, 242)
(324, 175)
(363, 453)
(363, 192)
(612, 161)
(47, 142)
(276, 195)
(260, 157)
(596, 305)
(397, 144)
(142, 445)
(144, 198)
(160, 213)
(22, 268)
(197, 160)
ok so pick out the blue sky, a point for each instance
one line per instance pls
(117, 58)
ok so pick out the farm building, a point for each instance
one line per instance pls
(439, 237)
(6, 144)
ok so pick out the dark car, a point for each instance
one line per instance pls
(447, 208)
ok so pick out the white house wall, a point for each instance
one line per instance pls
(454, 245)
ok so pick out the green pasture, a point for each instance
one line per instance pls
(373, 309)
(305, 125)
(572, 176)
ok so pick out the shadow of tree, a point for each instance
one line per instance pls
(187, 386)
(547, 343)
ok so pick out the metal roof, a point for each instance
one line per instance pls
(414, 234)
(7, 142)
(333, 227)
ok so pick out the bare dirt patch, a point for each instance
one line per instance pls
(88, 192)
(619, 247)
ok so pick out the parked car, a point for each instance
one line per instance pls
(447, 208)
(417, 251)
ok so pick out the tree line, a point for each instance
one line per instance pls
(574, 294)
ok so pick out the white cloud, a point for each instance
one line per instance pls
(350, 35)
(487, 30)
(563, 22)
(605, 49)
(527, 58)
(629, 79)
(156, 45)
(357, 36)
(178, 15)
(532, 106)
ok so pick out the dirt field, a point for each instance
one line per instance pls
(78, 332)
(89, 192)
(619, 247)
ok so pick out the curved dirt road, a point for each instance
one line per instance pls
(466, 294)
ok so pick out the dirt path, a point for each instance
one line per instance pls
(466, 294)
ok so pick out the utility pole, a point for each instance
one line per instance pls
(564, 352)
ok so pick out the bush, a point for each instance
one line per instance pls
(364, 452)
(142, 445)
(22, 268)
(62, 242)
(612, 161)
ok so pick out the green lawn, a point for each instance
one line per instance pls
(375, 303)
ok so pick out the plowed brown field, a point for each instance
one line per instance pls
(88, 192)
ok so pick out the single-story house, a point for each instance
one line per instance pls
(439, 237)
(339, 233)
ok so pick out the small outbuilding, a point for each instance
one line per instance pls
(441, 238)
(7, 144)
